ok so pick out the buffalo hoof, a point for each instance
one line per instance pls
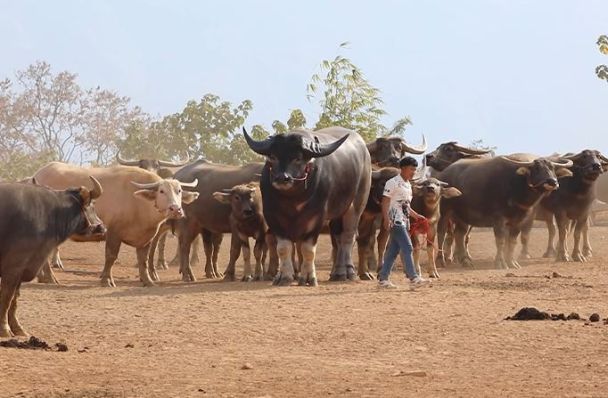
(107, 282)
(367, 276)
(162, 265)
(587, 252)
(211, 275)
(154, 276)
(550, 253)
(351, 274)
(186, 277)
(562, 258)
(48, 279)
(148, 283)
(282, 280)
(19, 332)
(578, 257)
(466, 262)
(58, 264)
(525, 256)
(337, 278)
(307, 281)
(434, 274)
(513, 264)
(247, 278)
(5, 332)
(229, 277)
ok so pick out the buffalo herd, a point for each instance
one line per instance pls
(311, 182)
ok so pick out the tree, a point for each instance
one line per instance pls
(347, 99)
(602, 70)
(480, 144)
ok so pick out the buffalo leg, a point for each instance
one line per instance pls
(308, 275)
(285, 276)
(550, 252)
(577, 255)
(46, 274)
(8, 288)
(259, 252)
(112, 247)
(509, 248)
(162, 242)
(562, 228)
(297, 258)
(460, 252)
(153, 245)
(185, 239)
(381, 241)
(442, 225)
(500, 236)
(416, 252)
(207, 237)
(13, 322)
(248, 272)
(430, 252)
(587, 252)
(142, 263)
(344, 268)
(273, 257)
(216, 241)
(525, 237)
(56, 259)
(235, 252)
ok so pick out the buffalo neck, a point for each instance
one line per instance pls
(68, 216)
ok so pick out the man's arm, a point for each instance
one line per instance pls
(386, 204)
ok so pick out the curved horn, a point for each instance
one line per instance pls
(471, 151)
(414, 149)
(189, 184)
(316, 150)
(261, 147)
(175, 164)
(602, 157)
(97, 189)
(566, 164)
(517, 162)
(442, 183)
(126, 162)
(572, 156)
(149, 185)
(226, 190)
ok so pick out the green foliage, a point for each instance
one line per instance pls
(602, 70)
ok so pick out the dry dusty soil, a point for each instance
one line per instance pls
(235, 339)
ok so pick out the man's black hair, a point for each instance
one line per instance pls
(408, 161)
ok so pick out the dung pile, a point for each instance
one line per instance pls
(33, 343)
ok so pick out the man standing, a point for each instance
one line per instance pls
(396, 211)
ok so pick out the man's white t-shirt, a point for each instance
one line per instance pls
(400, 193)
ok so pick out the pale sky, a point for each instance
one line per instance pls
(519, 74)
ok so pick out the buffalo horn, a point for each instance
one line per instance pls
(181, 163)
(317, 150)
(189, 184)
(149, 185)
(471, 151)
(261, 147)
(414, 149)
(97, 189)
(126, 162)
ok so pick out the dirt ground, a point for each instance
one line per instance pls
(219, 339)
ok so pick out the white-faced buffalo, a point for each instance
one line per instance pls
(387, 151)
(310, 177)
(571, 203)
(500, 193)
(246, 221)
(207, 214)
(33, 221)
(136, 202)
(426, 201)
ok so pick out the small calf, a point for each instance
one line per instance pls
(246, 220)
(426, 200)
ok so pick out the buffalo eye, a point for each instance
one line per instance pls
(162, 191)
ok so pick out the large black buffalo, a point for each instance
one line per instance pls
(310, 177)
(500, 193)
(571, 203)
(34, 220)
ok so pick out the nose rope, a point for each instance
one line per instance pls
(304, 177)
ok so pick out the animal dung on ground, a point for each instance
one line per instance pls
(595, 317)
(33, 343)
(532, 314)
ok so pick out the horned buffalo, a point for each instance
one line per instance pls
(310, 177)
(500, 193)
(136, 202)
(387, 151)
(33, 221)
(450, 152)
(246, 221)
(207, 214)
(571, 203)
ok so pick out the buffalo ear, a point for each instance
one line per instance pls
(563, 172)
(604, 168)
(522, 171)
(145, 194)
(450, 192)
(189, 197)
(85, 195)
(222, 197)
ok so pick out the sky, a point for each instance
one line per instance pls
(517, 74)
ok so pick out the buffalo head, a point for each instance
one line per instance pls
(243, 199)
(290, 157)
(387, 151)
(450, 152)
(542, 173)
(431, 189)
(91, 228)
(152, 165)
(167, 195)
(589, 164)
(379, 179)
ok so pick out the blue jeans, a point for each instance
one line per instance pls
(400, 241)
